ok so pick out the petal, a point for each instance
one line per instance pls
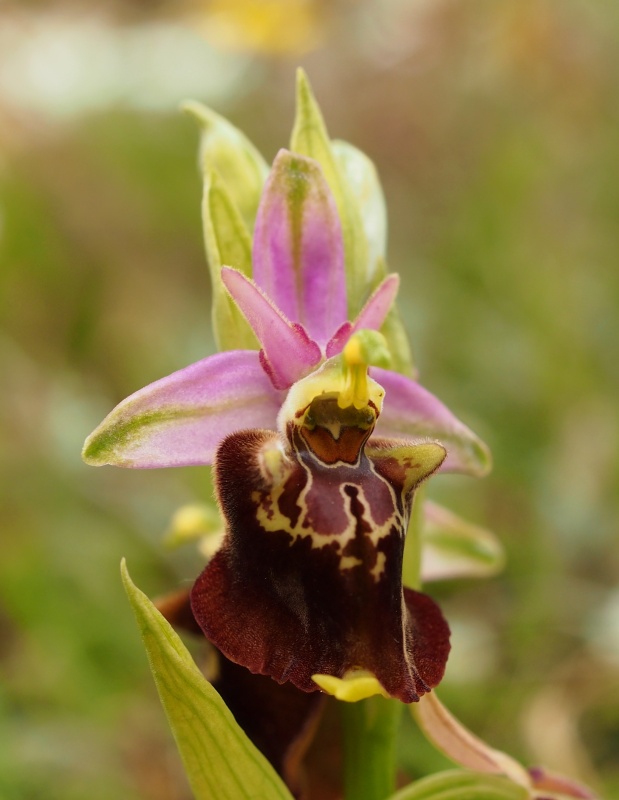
(397, 341)
(338, 341)
(288, 352)
(374, 312)
(308, 580)
(371, 316)
(181, 419)
(410, 411)
(298, 254)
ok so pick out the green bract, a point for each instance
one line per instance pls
(220, 761)
(228, 151)
(227, 241)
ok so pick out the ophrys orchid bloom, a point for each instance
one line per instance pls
(316, 509)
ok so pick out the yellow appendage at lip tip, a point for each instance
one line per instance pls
(354, 686)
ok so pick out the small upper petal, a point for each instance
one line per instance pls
(374, 312)
(371, 316)
(180, 420)
(288, 352)
(410, 411)
(298, 254)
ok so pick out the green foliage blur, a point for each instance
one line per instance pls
(495, 129)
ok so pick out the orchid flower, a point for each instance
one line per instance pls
(288, 428)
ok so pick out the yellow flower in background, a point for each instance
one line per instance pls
(265, 26)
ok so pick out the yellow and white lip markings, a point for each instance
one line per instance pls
(357, 684)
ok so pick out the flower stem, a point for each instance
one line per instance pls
(370, 729)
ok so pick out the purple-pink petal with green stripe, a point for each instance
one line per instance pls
(181, 419)
(288, 353)
(298, 252)
(412, 412)
(371, 316)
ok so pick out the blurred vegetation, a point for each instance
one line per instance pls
(494, 128)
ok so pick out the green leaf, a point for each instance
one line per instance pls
(220, 761)
(461, 785)
(227, 150)
(310, 138)
(454, 548)
(228, 243)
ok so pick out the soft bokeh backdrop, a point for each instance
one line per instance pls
(495, 128)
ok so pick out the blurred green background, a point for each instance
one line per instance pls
(495, 129)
